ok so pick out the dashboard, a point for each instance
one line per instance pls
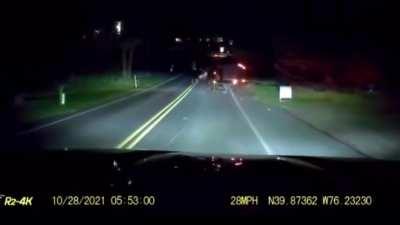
(173, 183)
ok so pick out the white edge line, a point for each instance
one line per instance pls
(95, 108)
(253, 128)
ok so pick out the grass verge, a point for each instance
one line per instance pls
(83, 92)
(354, 117)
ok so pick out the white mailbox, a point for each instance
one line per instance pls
(285, 93)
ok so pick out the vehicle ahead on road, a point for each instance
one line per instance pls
(175, 183)
(228, 71)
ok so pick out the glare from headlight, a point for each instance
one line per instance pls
(234, 81)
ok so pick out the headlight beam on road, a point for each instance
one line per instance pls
(143, 130)
(148, 129)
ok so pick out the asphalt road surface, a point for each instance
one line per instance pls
(182, 116)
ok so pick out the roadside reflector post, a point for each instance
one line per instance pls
(61, 95)
(135, 81)
(285, 93)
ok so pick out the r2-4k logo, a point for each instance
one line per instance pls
(9, 201)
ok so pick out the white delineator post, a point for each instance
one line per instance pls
(63, 98)
(285, 93)
(135, 81)
(61, 94)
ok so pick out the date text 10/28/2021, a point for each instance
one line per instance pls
(28, 201)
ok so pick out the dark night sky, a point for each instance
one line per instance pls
(64, 20)
(42, 28)
(236, 17)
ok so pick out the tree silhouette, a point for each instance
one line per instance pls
(128, 48)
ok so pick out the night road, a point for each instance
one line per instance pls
(191, 118)
(201, 108)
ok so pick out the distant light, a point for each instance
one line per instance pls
(234, 81)
(115, 163)
(97, 31)
(203, 76)
(241, 66)
(243, 80)
(214, 81)
(222, 49)
(220, 39)
(219, 55)
(177, 39)
(230, 42)
(200, 39)
(208, 39)
(118, 27)
(238, 163)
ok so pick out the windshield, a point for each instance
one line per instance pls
(289, 78)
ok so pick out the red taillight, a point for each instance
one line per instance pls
(241, 66)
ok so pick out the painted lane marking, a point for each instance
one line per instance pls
(251, 125)
(152, 119)
(148, 129)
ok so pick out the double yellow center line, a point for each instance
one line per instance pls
(143, 130)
